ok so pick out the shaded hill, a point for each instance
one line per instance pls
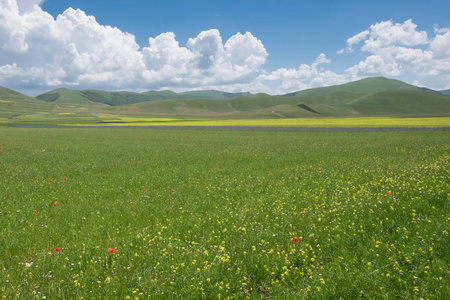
(385, 103)
(377, 96)
(445, 93)
(366, 85)
(255, 106)
(337, 104)
(64, 95)
(14, 104)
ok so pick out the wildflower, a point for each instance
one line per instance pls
(51, 181)
(55, 204)
(388, 192)
(56, 249)
(295, 240)
(112, 250)
(35, 211)
(65, 178)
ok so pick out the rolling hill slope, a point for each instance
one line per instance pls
(377, 96)
(366, 85)
(13, 104)
(445, 93)
(64, 95)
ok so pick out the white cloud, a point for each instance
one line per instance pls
(354, 40)
(440, 45)
(74, 49)
(386, 33)
(395, 50)
(40, 52)
(401, 50)
(305, 76)
(28, 5)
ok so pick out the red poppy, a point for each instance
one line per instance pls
(295, 240)
(56, 249)
(388, 192)
(51, 181)
(55, 204)
(65, 178)
(112, 250)
(35, 211)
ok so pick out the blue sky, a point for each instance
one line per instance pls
(289, 45)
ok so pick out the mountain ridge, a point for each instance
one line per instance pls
(376, 96)
(125, 98)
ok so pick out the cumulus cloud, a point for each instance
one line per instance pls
(386, 34)
(305, 76)
(399, 49)
(354, 40)
(40, 52)
(74, 49)
(394, 50)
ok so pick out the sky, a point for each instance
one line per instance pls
(269, 46)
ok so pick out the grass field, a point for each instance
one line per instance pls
(184, 214)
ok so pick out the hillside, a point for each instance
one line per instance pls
(64, 95)
(445, 93)
(14, 104)
(366, 85)
(255, 106)
(377, 96)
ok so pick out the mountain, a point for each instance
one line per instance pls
(445, 93)
(14, 104)
(11, 95)
(64, 95)
(376, 96)
(366, 85)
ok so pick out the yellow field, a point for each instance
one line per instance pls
(306, 122)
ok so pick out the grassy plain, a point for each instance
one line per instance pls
(223, 214)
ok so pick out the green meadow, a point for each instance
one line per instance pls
(101, 213)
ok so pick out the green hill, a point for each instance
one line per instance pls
(11, 95)
(235, 107)
(445, 93)
(64, 95)
(377, 96)
(337, 104)
(210, 94)
(367, 85)
(384, 103)
(13, 104)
